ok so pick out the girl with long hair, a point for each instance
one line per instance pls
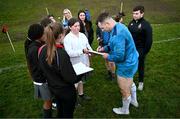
(86, 26)
(67, 15)
(57, 67)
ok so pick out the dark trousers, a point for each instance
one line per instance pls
(141, 64)
(66, 99)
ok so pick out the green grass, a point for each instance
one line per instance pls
(160, 97)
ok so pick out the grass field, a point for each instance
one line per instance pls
(160, 98)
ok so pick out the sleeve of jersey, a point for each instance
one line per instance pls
(118, 53)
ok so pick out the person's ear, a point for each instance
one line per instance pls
(69, 27)
(142, 14)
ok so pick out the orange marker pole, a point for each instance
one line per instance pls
(5, 30)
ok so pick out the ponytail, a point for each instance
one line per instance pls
(52, 32)
(50, 41)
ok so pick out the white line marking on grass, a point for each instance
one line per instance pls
(168, 40)
(157, 24)
(12, 67)
(165, 23)
(23, 65)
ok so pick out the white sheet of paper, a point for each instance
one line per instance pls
(81, 68)
(94, 52)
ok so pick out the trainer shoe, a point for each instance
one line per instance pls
(54, 106)
(134, 103)
(141, 85)
(84, 97)
(120, 111)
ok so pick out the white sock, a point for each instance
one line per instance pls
(126, 103)
(133, 92)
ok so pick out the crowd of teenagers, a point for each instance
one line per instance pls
(52, 48)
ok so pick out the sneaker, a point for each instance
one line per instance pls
(84, 97)
(141, 85)
(54, 106)
(134, 103)
(120, 111)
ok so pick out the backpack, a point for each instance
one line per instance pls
(88, 16)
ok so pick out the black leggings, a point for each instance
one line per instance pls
(66, 99)
(141, 64)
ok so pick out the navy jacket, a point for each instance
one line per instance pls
(141, 32)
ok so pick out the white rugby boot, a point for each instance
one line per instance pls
(125, 109)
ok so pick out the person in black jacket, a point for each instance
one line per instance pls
(32, 44)
(86, 26)
(141, 32)
(57, 67)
